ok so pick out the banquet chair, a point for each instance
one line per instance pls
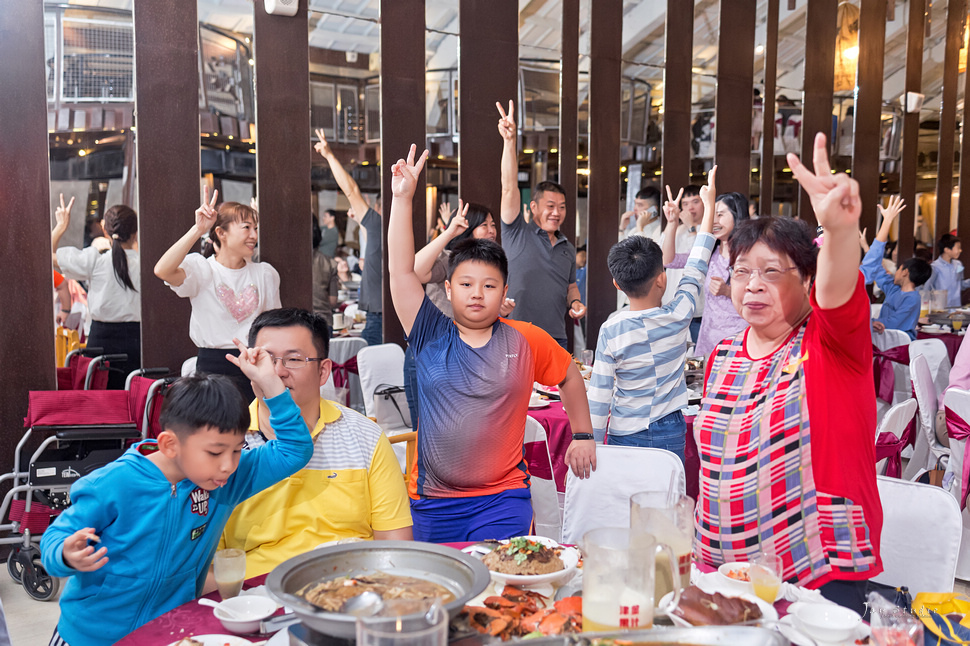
(383, 365)
(938, 359)
(957, 404)
(343, 350)
(928, 450)
(894, 423)
(410, 441)
(545, 499)
(875, 309)
(603, 499)
(902, 385)
(925, 561)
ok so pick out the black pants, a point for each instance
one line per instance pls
(848, 594)
(213, 361)
(118, 338)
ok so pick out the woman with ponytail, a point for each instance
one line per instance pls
(113, 280)
(226, 288)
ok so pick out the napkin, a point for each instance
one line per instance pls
(790, 592)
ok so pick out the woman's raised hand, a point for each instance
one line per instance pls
(322, 146)
(834, 196)
(404, 174)
(205, 215)
(709, 192)
(459, 221)
(506, 125)
(62, 214)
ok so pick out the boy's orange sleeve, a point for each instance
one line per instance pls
(551, 360)
(58, 279)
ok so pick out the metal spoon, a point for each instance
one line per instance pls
(215, 604)
(365, 604)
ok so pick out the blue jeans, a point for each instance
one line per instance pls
(669, 432)
(411, 385)
(374, 329)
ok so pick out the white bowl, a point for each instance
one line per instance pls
(251, 608)
(825, 621)
(734, 584)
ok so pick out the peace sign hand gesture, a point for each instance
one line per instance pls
(205, 215)
(459, 221)
(322, 146)
(834, 196)
(672, 206)
(62, 214)
(506, 125)
(404, 174)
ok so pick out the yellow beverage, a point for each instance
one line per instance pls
(631, 610)
(924, 311)
(956, 324)
(591, 626)
(229, 589)
(766, 591)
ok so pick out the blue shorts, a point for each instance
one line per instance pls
(455, 520)
(669, 432)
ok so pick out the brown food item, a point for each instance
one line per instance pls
(523, 556)
(702, 609)
(330, 595)
(188, 641)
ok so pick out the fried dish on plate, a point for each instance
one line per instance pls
(523, 556)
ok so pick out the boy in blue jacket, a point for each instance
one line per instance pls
(900, 310)
(141, 532)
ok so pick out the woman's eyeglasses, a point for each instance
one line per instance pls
(770, 275)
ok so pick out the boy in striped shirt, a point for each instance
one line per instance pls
(637, 391)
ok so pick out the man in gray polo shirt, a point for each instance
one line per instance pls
(542, 262)
(371, 290)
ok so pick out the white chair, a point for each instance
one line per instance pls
(603, 499)
(902, 385)
(383, 365)
(341, 351)
(959, 402)
(545, 498)
(895, 422)
(188, 366)
(920, 536)
(928, 450)
(938, 360)
(875, 309)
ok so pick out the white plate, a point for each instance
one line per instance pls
(217, 640)
(569, 556)
(542, 404)
(798, 637)
(768, 611)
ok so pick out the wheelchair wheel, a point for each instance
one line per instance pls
(14, 566)
(38, 583)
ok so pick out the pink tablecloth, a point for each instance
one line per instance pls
(553, 419)
(951, 341)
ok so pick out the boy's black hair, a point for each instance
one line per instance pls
(920, 271)
(580, 248)
(650, 193)
(635, 263)
(204, 400)
(691, 190)
(294, 317)
(947, 242)
(480, 250)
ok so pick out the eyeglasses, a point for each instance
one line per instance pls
(294, 362)
(742, 275)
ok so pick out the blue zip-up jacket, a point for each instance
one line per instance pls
(160, 536)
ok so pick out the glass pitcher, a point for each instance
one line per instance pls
(938, 300)
(618, 579)
(670, 519)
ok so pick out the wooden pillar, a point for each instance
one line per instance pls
(916, 27)
(955, 14)
(606, 24)
(735, 90)
(868, 108)
(27, 325)
(767, 192)
(963, 206)
(169, 170)
(820, 32)
(403, 123)
(488, 71)
(678, 53)
(568, 108)
(283, 152)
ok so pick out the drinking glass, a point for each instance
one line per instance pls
(669, 518)
(765, 573)
(427, 629)
(230, 571)
(618, 572)
(957, 324)
(587, 357)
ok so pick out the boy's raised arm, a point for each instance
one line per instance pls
(509, 207)
(406, 290)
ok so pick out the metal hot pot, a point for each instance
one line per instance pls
(465, 576)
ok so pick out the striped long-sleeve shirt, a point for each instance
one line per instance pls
(638, 374)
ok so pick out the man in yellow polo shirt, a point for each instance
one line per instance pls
(351, 488)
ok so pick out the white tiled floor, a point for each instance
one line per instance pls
(30, 622)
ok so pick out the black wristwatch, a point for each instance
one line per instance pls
(583, 436)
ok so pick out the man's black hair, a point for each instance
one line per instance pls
(947, 242)
(649, 193)
(692, 190)
(480, 250)
(635, 263)
(294, 317)
(920, 271)
(204, 400)
(542, 187)
(580, 248)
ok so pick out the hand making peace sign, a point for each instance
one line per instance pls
(404, 174)
(834, 196)
(62, 214)
(506, 125)
(205, 215)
